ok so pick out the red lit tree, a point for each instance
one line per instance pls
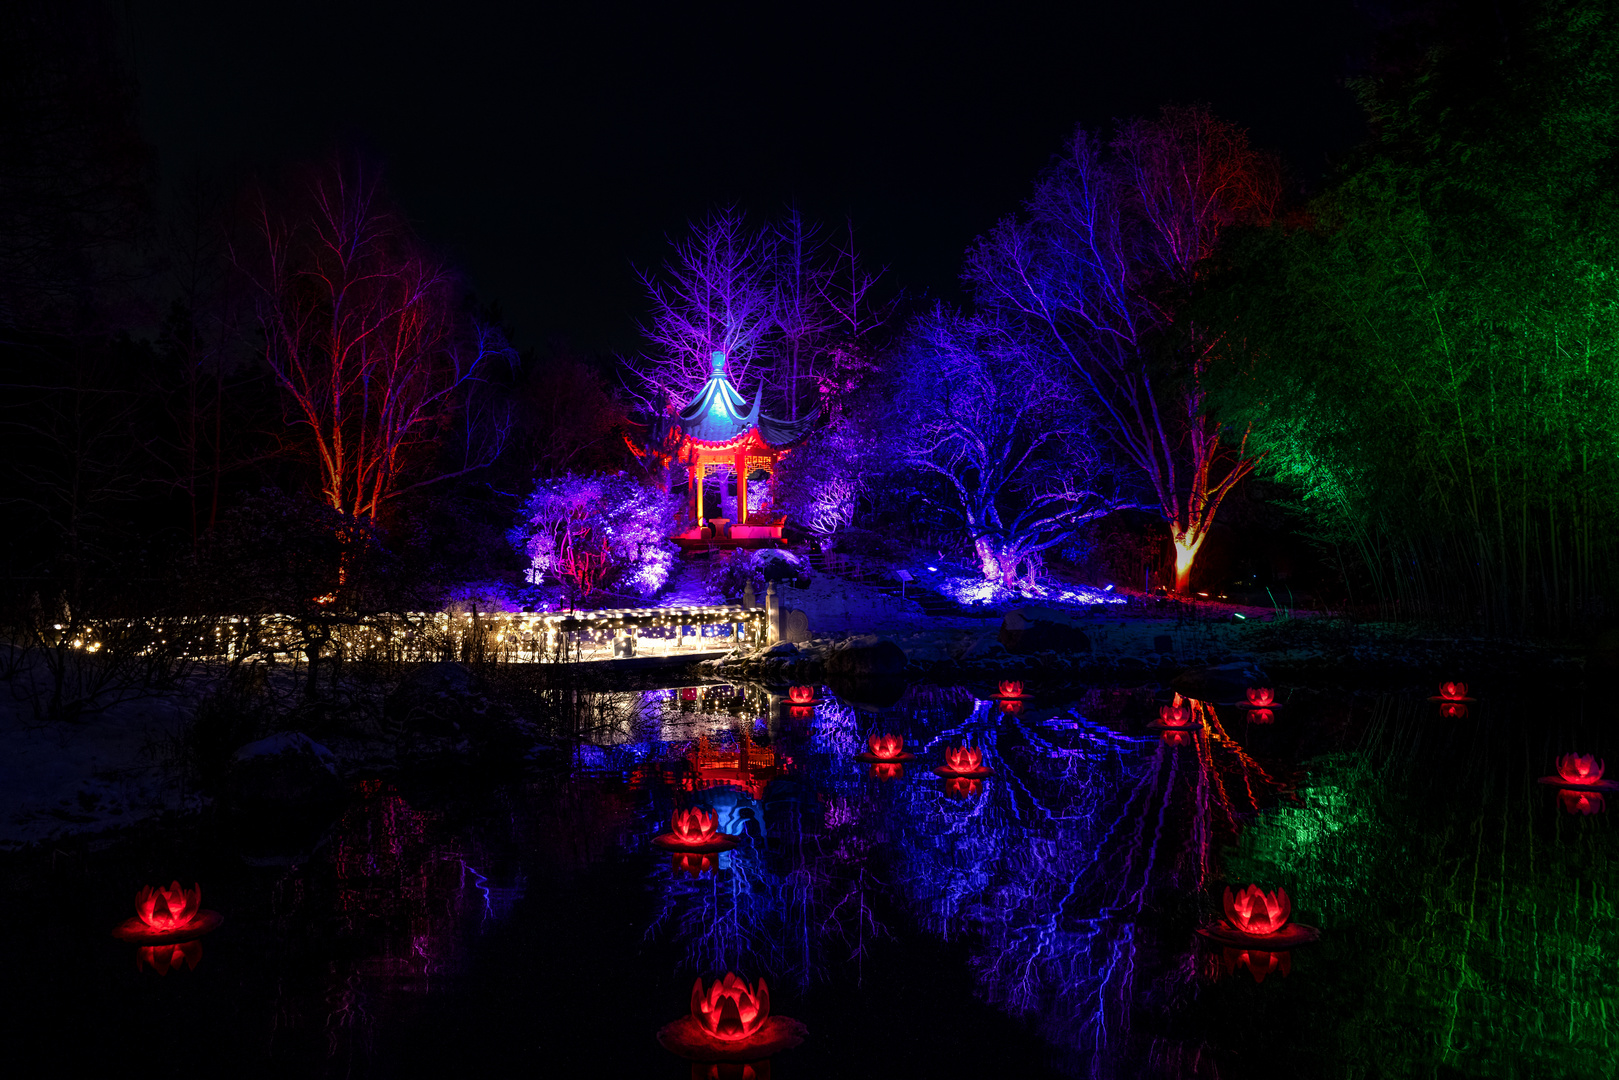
(360, 331)
(1101, 270)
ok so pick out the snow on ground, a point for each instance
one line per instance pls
(102, 771)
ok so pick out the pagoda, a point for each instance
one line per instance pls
(719, 432)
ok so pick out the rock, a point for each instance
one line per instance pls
(782, 648)
(286, 770)
(882, 657)
(1225, 682)
(794, 625)
(1036, 629)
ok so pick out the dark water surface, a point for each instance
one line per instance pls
(1040, 925)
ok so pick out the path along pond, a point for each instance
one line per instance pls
(1038, 921)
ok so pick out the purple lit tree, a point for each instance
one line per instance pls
(1005, 445)
(591, 532)
(1099, 272)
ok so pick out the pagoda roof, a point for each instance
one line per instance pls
(719, 414)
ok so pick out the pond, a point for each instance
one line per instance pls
(1038, 921)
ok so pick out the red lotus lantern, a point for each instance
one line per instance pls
(1453, 691)
(963, 761)
(164, 915)
(165, 958)
(1580, 802)
(1176, 715)
(801, 695)
(1177, 737)
(1011, 689)
(1261, 696)
(1453, 710)
(687, 864)
(694, 831)
(1255, 911)
(1261, 716)
(1582, 769)
(885, 748)
(963, 787)
(730, 1021)
(1256, 917)
(1259, 962)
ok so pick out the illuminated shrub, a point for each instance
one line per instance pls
(591, 532)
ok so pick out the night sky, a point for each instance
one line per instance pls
(549, 150)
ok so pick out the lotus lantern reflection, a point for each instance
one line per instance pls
(696, 831)
(1581, 802)
(1261, 716)
(1177, 737)
(687, 864)
(168, 914)
(1453, 710)
(963, 787)
(1261, 696)
(1259, 962)
(165, 958)
(886, 770)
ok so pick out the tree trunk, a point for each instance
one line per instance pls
(1186, 543)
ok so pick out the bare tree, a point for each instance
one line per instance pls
(714, 295)
(1011, 451)
(1100, 271)
(361, 334)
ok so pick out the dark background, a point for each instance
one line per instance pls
(549, 149)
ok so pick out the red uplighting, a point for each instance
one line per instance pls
(1580, 768)
(963, 759)
(1580, 802)
(165, 958)
(1261, 716)
(730, 1010)
(801, 695)
(1011, 689)
(887, 747)
(695, 826)
(1453, 691)
(1174, 715)
(168, 909)
(1257, 961)
(1254, 911)
(1261, 696)
(1453, 710)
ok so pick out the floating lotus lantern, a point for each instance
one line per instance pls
(963, 761)
(1256, 917)
(887, 749)
(694, 832)
(167, 915)
(730, 1021)
(1259, 962)
(1581, 771)
(1010, 691)
(1452, 691)
(692, 865)
(1261, 697)
(1261, 716)
(165, 958)
(1453, 710)
(801, 695)
(1576, 801)
(1177, 714)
